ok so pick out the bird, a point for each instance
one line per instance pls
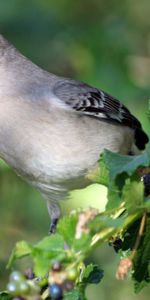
(53, 129)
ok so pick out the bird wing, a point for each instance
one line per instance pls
(97, 103)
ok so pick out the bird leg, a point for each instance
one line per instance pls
(54, 212)
(53, 224)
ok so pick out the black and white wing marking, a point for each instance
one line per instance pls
(93, 102)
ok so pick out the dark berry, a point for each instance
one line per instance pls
(55, 291)
(68, 285)
(29, 274)
(146, 180)
(117, 244)
(56, 266)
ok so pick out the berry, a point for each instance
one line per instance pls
(68, 285)
(117, 244)
(72, 274)
(33, 287)
(16, 276)
(12, 288)
(24, 287)
(29, 274)
(55, 291)
(56, 267)
(146, 180)
(18, 285)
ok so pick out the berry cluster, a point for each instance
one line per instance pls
(20, 287)
(58, 281)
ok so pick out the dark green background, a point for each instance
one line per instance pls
(104, 43)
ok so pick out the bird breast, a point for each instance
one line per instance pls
(55, 147)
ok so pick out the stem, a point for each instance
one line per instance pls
(104, 235)
(139, 236)
(107, 233)
(45, 294)
(126, 263)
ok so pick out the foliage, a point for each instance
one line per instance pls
(58, 260)
(101, 42)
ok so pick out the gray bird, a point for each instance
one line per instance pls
(53, 129)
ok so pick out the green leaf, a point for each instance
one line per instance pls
(52, 243)
(67, 228)
(5, 296)
(92, 274)
(73, 295)
(21, 249)
(103, 176)
(46, 251)
(117, 163)
(114, 197)
(133, 195)
(102, 222)
(141, 273)
(82, 244)
(119, 168)
(41, 264)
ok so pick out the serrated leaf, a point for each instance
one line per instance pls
(73, 295)
(52, 243)
(82, 244)
(92, 274)
(141, 273)
(67, 228)
(102, 222)
(5, 296)
(117, 163)
(103, 176)
(41, 265)
(133, 195)
(114, 197)
(21, 249)
(49, 249)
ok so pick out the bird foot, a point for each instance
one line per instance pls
(53, 225)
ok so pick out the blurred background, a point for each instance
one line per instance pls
(106, 44)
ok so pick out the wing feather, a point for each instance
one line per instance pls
(94, 102)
